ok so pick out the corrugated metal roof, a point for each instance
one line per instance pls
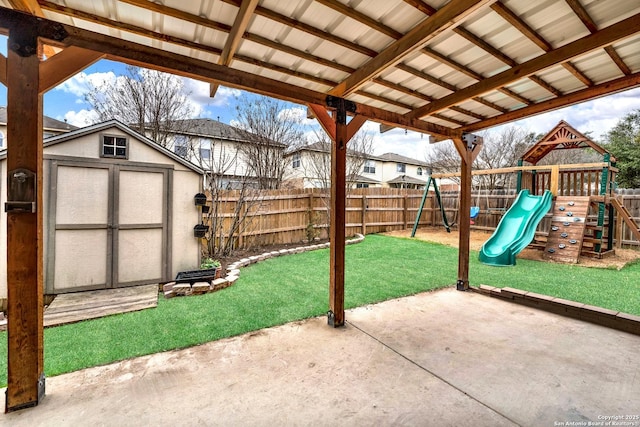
(319, 44)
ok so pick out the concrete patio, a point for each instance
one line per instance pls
(441, 358)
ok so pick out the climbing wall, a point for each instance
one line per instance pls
(567, 229)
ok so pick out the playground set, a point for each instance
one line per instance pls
(567, 210)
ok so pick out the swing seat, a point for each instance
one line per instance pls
(475, 210)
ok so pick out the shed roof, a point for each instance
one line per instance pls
(440, 67)
(99, 127)
(562, 137)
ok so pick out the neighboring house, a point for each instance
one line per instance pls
(118, 209)
(309, 166)
(403, 172)
(231, 156)
(51, 127)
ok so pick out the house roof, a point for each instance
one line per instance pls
(210, 128)
(405, 179)
(48, 123)
(393, 157)
(439, 67)
(58, 139)
(562, 137)
(364, 179)
(324, 147)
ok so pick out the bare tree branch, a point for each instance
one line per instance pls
(151, 102)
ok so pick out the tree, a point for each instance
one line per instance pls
(623, 141)
(275, 127)
(502, 149)
(151, 102)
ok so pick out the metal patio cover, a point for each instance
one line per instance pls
(433, 66)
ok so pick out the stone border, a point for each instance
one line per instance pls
(598, 315)
(234, 268)
(172, 289)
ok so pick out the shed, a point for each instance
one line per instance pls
(118, 211)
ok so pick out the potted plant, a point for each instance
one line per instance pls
(211, 264)
(209, 270)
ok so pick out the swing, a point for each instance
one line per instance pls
(445, 222)
(475, 210)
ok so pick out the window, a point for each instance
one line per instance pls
(401, 167)
(362, 185)
(419, 170)
(296, 161)
(114, 147)
(205, 150)
(1, 139)
(180, 146)
(369, 166)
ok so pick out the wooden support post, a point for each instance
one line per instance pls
(25, 381)
(468, 150)
(338, 211)
(553, 182)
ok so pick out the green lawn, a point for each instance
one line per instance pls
(295, 287)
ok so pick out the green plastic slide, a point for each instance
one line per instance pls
(516, 229)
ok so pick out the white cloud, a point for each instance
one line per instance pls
(597, 116)
(81, 118)
(409, 144)
(81, 83)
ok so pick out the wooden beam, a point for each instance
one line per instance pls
(536, 38)
(324, 118)
(596, 91)
(590, 24)
(65, 64)
(513, 19)
(145, 56)
(238, 28)
(361, 17)
(589, 43)
(3, 69)
(25, 381)
(329, 125)
(447, 17)
(123, 26)
(32, 7)
(298, 25)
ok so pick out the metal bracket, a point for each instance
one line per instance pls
(331, 318)
(41, 387)
(31, 404)
(22, 191)
(342, 106)
(472, 140)
(461, 285)
(24, 31)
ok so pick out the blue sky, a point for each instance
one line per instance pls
(66, 102)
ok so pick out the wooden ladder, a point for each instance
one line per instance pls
(626, 217)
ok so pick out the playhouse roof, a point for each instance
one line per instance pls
(562, 137)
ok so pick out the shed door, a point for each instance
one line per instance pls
(107, 226)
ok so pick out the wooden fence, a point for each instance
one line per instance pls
(291, 216)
